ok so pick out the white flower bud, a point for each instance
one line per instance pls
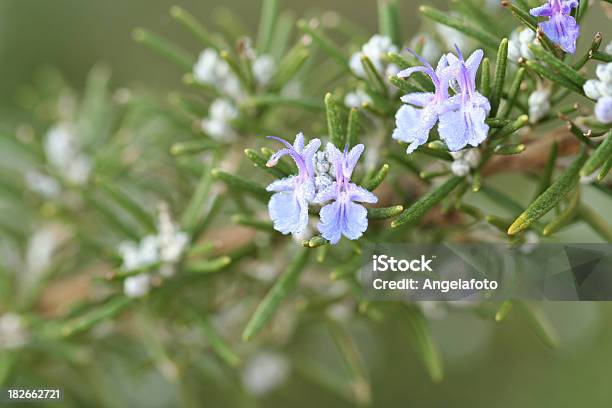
(460, 168)
(604, 72)
(539, 105)
(375, 49)
(264, 69)
(137, 285)
(13, 333)
(591, 89)
(265, 372)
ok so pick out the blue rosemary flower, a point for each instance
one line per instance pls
(561, 27)
(288, 207)
(343, 216)
(414, 121)
(463, 121)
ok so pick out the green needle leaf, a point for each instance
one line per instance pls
(503, 310)
(194, 26)
(241, 184)
(425, 203)
(353, 128)
(565, 216)
(602, 154)
(283, 286)
(512, 93)
(253, 222)
(193, 211)
(208, 266)
(267, 23)
(485, 77)
(605, 169)
(374, 77)
(389, 23)
(128, 204)
(487, 39)
(326, 45)
(423, 343)
(547, 73)
(164, 48)
(500, 75)
(509, 149)
(557, 65)
(334, 122)
(193, 147)
(549, 198)
(540, 324)
(260, 162)
(290, 65)
(217, 343)
(377, 179)
(384, 212)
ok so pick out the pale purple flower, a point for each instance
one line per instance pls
(343, 216)
(288, 207)
(603, 109)
(561, 27)
(463, 120)
(414, 121)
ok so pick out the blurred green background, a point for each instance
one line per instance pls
(487, 365)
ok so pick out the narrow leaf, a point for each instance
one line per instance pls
(602, 154)
(487, 39)
(164, 48)
(425, 203)
(377, 179)
(384, 212)
(549, 198)
(353, 128)
(500, 75)
(267, 23)
(325, 44)
(423, 343)
(334, 122)
(283, 286)
(240, 183)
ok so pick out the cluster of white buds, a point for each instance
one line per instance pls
(212, 70)
(518, 44)
(13, 333)
(539, 104)
(165, 249)
(601, 90)
(464, 161)
(265, 372)
(325, 172)
(263, 66)
(376, 49)
(64, 154)
(218, 124)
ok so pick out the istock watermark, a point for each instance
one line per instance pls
(453, 272)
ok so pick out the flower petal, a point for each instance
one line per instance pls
(542, 11)
(288, 212)
(355, 220)
(562, 30)
(328, 194)
(419, 99)
(331, 222)
(413, 125)
(361, 195)
(284, 184)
